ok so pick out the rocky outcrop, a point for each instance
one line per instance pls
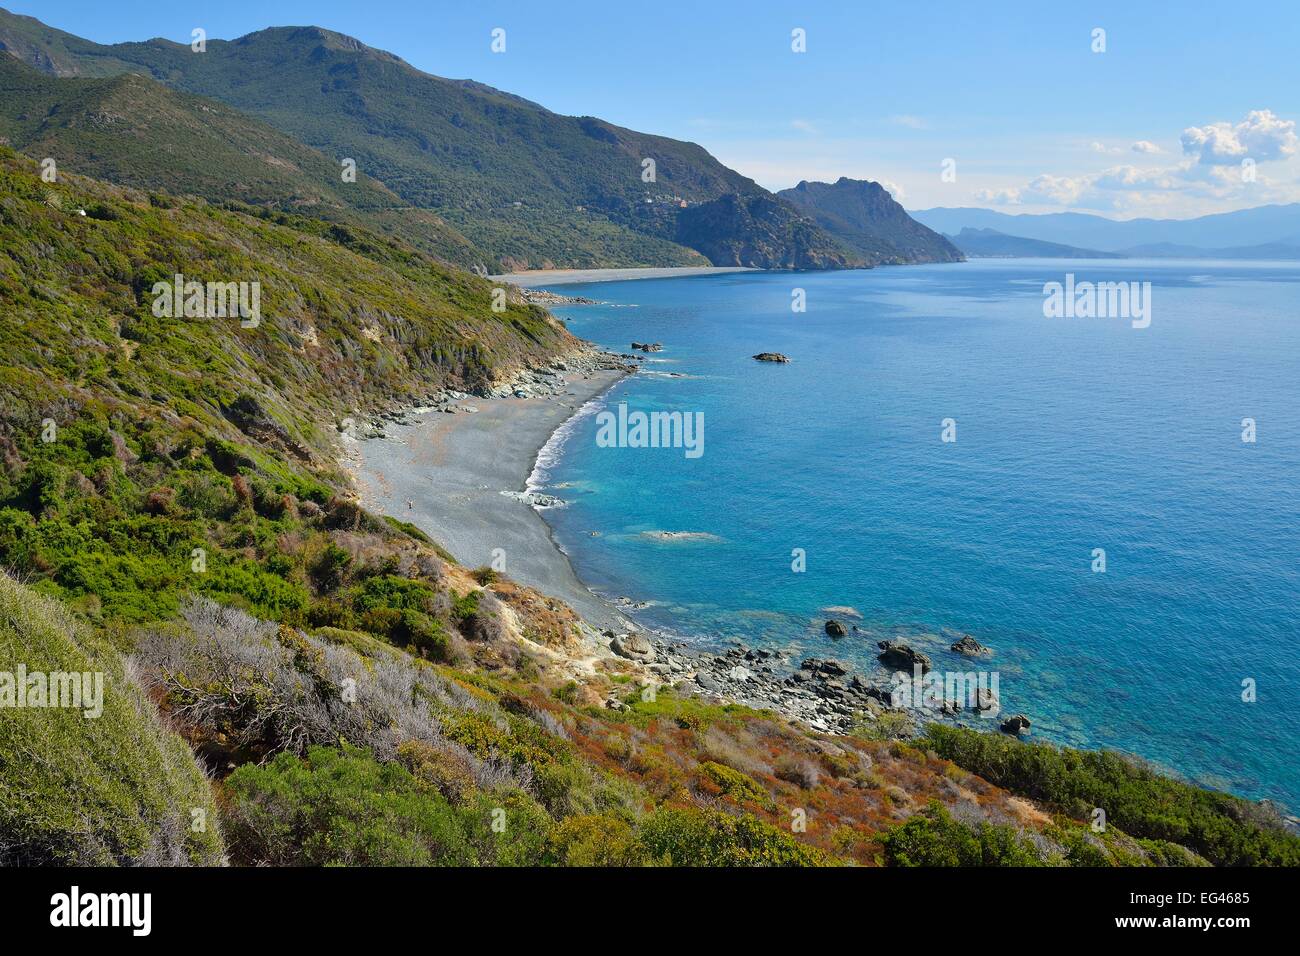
(969, 646)
(760, 231)
(869, 223)
(830, 668)
(647, 346)
(1018, 724)
(772, 357)
(835, 629)
(902, 657)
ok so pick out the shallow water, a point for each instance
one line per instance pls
(1072, 435)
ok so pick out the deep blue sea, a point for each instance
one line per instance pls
(1072, 435)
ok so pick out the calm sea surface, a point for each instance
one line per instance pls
(1072, 435)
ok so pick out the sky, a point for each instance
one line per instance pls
(1004, 105)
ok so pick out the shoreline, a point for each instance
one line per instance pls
(464, 473)
(536, 278)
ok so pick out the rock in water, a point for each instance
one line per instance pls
(902, 656)
(771, 357)
(970, 647)
(835, 628)
(1017, 724)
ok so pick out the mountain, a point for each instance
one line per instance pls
(1245, 227)
(867, 220)
(133, 131)
(528, 187)
(989, 243)
(736, 230)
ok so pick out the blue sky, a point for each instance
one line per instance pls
(1036, 121)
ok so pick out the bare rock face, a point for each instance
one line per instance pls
(772, 357)
(633, 646)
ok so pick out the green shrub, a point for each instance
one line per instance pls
(1224, 829)
(933, 838)
(685, 836)
(341, 807)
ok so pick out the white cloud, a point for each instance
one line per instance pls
(1103, 148)
(895, 190)
(1209, 174)
(803, 125)
(1046, 190)
(1261, 136)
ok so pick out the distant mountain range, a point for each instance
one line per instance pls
(1264, 232)
(866, 219)
(989, 243)
(487, 176)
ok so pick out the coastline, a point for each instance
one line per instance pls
(534, 278)
(465, 476)
(468, 472)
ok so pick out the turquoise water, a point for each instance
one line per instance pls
(1072, 434)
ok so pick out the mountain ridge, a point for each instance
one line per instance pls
(1244, 227)
(866, 219)
(527, 186)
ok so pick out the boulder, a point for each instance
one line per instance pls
(969, 646)
(1017, 724)
(835, 629)
(902, 657)
(633, 646)
(771, 357)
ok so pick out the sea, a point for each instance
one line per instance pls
(1111, 504)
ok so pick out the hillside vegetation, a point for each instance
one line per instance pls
(118, 788)
(132, 131)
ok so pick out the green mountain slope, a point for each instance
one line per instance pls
(133, 131)
(867, 220)
(349, 319)
(738, 230)
(528, 186)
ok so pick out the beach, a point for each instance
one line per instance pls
(461, 479)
